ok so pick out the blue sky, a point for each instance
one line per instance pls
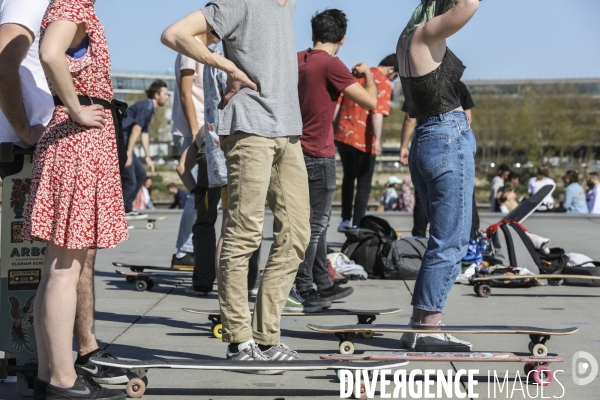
(507, 39)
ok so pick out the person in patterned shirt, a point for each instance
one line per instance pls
(358, 140)
(75, 202)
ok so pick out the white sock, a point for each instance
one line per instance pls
(180, 254)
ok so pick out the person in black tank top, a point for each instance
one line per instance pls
(441, 158)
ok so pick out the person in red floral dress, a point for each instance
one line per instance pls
(76, 202)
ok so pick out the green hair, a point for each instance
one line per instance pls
(426, 11)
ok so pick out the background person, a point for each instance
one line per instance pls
(441, 158)
(496, 185)
(406, 197)
(389, 198)
(188, 121)
(574, 194)
(180, 196)
(593, 195)
(135, 126)
(507, 198)
(542, 179)
(358, 140)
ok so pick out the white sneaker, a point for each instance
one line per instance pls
(434, 342)
(249, 351)
(345, 224)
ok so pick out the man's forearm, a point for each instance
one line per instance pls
(146, 143)
(181, 37)
(135, 134)
(377, 121)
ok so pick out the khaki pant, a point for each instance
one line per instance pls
(260, 168)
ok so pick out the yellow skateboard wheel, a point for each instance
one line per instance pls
(218, 331)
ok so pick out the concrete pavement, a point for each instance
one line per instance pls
(143, 325)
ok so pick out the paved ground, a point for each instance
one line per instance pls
(143, 325)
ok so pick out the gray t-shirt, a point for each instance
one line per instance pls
(258, 37)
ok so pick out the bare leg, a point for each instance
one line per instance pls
(221, 238)
(54, 313)
(426, 317)
(84, 331)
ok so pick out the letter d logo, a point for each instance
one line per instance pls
(582, 361)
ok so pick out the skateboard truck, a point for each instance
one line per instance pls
(346, 344)
(537, 346)
(29, 372)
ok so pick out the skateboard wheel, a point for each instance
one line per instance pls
(362, 394)
(150, 225)
(530, 347)
(540, 350)
(476, 288)
(145, 380)
(150, 284)
(347, 347)
(141, 285)
(484, 291)
(528, 368)
(130, 279)
(542, 375)
(218, 331)
(135, 388)
(367, 335)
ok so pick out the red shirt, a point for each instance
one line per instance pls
(354, 126)
(321, 79)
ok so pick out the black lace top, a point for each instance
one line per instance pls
(436, 92)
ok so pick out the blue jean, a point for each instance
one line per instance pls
(441, 162)
(188, 217)
(321, 188)
(132, 179)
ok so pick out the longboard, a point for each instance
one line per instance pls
(20, 272)
(150, 220)
(142, 268)
(538, 336)
(536, 368)
(364, 317)
(136, 387)
(483, 290)
(529, 205)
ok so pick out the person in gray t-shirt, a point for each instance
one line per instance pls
(259, 127)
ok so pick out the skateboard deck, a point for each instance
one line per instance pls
(364, 316)
(538, 336)
(143, 280)
(485, 291)
(536, 368)
(136, 387)
(529, 205)
(20, 271)
(150, 220)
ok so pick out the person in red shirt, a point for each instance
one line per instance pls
(322, 78)
(358, 140)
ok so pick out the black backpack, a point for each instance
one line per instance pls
(363, 244)
(402, 258)
(580, 270)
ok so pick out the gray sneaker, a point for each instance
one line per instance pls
(282, 353)
(249, 351)
(296, 304)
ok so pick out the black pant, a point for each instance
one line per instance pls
(358, 166)
(321, 186)
(132, 178)
(205, 238)
(420, 220)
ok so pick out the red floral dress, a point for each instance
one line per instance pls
(76, 200)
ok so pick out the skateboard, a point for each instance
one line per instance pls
(143, 280)
(150, 220)
(137, 386)
(20, 272)
(483, 290)
(536, 369)
(365, 317)
(529, 205)
(537, 345)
